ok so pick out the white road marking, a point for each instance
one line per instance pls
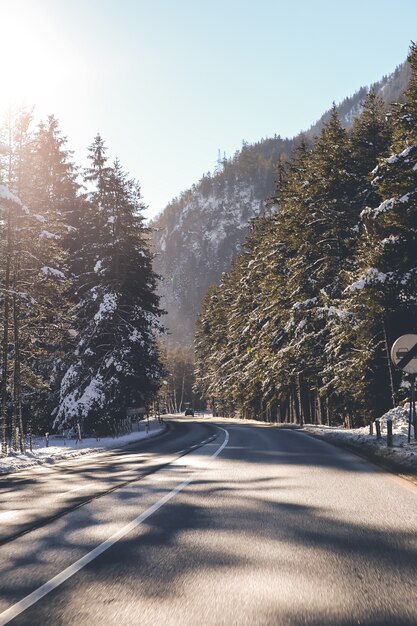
(65, 493)
(18, 608)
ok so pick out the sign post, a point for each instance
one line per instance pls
(404, 356)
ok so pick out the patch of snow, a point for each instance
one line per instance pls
(406, 152)
(107, 307)
(47, 235)
(135, 336)
(385, 206)
(61, 448)
(372, 275)
(6, 194)
(51, 271)
(401, 451)
(332, 310)
(392, 239)
(305, 303)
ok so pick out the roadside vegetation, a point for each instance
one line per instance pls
(299, 329)
(79, 313)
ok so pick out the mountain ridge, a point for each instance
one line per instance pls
(198, 233)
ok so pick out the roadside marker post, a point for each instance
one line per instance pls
(404, 356)
(389, 433)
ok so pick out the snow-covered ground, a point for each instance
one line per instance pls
(360, 439)
(60, 449)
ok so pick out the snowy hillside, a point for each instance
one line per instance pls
(197, 247)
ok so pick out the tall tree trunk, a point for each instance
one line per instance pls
(328, 420)
(319, 406)
(287, 409)
(174, 391)
(6, 312)
(300, 405)
(18, 435)
(296, 404)
(182, 392)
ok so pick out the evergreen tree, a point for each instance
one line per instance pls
(387, 267)
(356, 362)
(405, 114)
(210, 340)
(115, 364)
(370, 136)
(54, 202)
(34, 281)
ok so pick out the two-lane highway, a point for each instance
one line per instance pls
(32, 497)
(260, 526)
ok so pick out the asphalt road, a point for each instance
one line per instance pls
(258, 526)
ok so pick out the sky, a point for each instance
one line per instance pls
(169, 83)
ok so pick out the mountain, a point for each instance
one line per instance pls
(197, 235)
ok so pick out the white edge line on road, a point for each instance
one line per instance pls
(18, 608)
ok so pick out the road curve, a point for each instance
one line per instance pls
(31, 498)
(278, 528)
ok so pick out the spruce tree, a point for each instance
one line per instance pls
(354, 357)
(210, 341)
(115, 364)
(387, 272)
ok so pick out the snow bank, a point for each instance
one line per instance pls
(402, 452)
(62, 449)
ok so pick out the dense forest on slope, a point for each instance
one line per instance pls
(79, 310)
(299, 329)
(198, 234)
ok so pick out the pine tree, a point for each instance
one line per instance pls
(115, 364)
(34, 306)
(354, 357)
(405, 114)
(387, 270)
(54, 202)
(210, 340)
(370, 136)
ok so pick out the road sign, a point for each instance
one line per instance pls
(404, 353)
(134, 412)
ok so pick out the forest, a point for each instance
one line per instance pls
(199, 233)
(80, 317)
(299, 329)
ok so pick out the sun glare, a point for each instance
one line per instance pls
(33, 58)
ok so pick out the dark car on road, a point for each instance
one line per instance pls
(189, 411)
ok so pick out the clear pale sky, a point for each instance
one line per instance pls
(169, 82)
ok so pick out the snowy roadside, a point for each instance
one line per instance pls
(60, 449)
(401, 457)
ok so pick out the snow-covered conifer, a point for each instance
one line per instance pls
(115, 363)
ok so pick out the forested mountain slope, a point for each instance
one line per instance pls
(198, 234)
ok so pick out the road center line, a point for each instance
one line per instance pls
(65, 493)
(18, 608)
